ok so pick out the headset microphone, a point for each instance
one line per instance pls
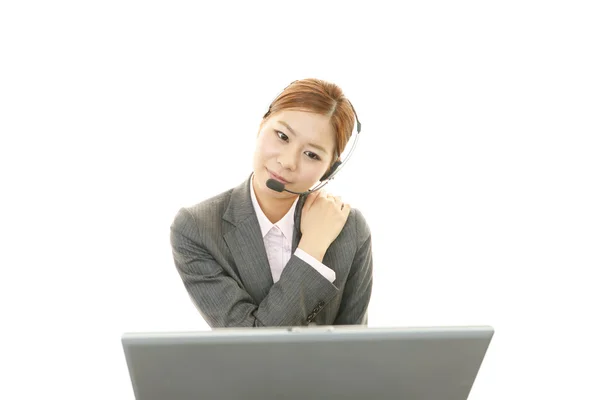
(277, 186)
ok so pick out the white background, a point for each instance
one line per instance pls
(477, 170)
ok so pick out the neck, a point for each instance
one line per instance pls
(273, 207)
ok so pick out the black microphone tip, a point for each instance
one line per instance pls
(275, 185)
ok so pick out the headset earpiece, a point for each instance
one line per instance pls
(331, 170)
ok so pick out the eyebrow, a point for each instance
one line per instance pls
(310, 144)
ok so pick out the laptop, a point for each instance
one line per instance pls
(313, 362)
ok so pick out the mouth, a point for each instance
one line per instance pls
(277, 177)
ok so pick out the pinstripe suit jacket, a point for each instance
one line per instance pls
(220, 255)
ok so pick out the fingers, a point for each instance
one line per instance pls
(346, 208)
(339, 204)
(310, 199)
(337, 200)
(322, 195)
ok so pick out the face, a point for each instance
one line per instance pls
(294, 147)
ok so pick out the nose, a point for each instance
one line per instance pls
(287, 159)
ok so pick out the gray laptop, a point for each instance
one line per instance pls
(318, 362)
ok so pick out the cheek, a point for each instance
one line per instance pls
(310, 172)
(267, 148)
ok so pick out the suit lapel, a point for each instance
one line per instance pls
(246, 243)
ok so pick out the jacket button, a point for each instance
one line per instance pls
(321, 303)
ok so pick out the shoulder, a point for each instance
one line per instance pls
(211, 208)
(205, 213)
(358, 223)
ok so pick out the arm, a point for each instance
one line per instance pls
(357, 291)
(224, 303)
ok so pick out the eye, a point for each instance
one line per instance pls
(282, 136)
(312, 155)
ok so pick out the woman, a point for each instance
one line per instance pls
(253, 256)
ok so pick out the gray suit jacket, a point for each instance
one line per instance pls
(220, 255)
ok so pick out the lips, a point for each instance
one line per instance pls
(277, 177)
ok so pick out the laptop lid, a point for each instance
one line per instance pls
(341, 362)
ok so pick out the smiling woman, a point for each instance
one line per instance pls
(255, 256)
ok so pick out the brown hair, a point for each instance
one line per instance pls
(321, 97)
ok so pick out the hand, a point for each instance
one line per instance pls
(323, 217)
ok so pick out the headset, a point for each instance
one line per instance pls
(333, 170)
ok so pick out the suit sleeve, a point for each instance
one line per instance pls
(293, 300)
(358, 288)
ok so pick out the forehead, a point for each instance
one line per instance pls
(307, 125)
